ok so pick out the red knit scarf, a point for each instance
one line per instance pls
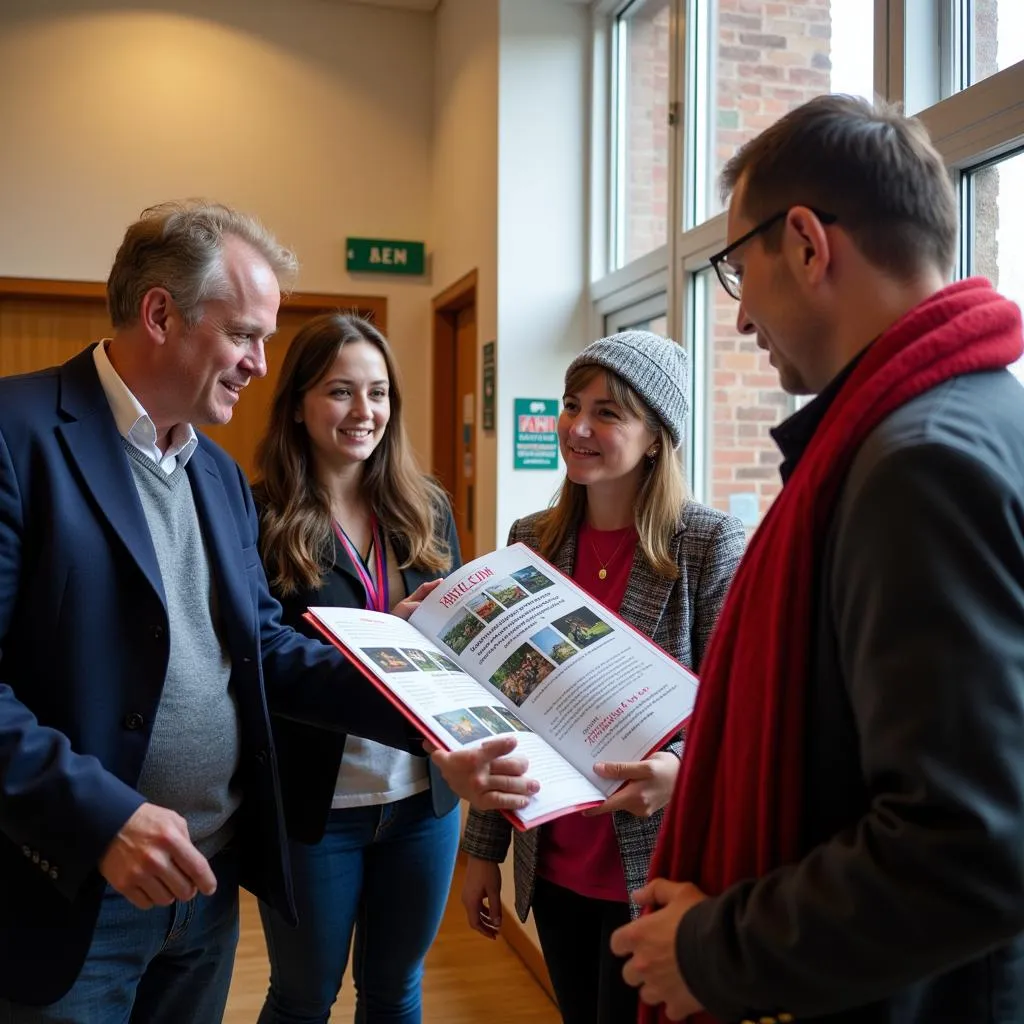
(736, 810)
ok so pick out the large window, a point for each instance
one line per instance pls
(723, 70)
(754, 60)
(751, 62)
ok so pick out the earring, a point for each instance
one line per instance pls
(652, 452)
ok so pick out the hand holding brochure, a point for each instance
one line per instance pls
(508, 644)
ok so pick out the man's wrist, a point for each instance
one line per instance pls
(694, 951)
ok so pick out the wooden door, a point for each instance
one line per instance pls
(455, 395)
(40, 332)
(45, 323)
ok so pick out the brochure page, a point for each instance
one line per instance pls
(577, 674)
(508, 644)
(450, 706)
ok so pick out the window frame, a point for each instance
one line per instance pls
(624, 318)
(921, 56)
(616, 26)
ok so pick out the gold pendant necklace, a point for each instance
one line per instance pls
(602, 573)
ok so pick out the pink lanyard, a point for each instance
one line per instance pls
(376, 593)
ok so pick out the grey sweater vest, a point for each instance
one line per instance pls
(193, 749)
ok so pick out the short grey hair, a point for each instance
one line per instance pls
(178, 246)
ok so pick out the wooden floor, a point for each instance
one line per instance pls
(468, 979)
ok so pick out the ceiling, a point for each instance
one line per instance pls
(420, 5)
(406, 5)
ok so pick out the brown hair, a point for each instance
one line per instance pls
(872, 168)
(296, 535)
(662, 490)
(178, 246)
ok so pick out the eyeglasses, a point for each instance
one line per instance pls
(731, 276)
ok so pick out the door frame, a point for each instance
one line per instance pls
(373, 307)
(446, 421)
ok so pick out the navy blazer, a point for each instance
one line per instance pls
(309, 757)
(83, 656)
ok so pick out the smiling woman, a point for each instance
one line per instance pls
(347, 519)
(624, 530)
(346, 412)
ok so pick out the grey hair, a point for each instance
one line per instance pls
(178, 246)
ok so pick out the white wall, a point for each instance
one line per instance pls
(510, 174)
(542, 223)
(326, 119)
(315, 116)
(465, 192)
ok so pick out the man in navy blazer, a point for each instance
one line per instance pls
(140, 649)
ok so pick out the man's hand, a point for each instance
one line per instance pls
(152, 862)
(405, 608)
(650, 944)
(484, 776)
(649, 787)
(481, 896)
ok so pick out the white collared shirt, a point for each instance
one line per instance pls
(133, 422)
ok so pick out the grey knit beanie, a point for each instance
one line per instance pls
(654, 367)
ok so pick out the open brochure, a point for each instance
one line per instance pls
(508, 644)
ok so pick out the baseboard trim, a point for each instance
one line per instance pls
(517, 939)
(523, 946)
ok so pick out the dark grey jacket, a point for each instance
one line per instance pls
(679, 616)
(908, 906)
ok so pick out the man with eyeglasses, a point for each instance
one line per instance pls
(846, 841)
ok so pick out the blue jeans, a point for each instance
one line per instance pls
(168, 965)
(383, 872)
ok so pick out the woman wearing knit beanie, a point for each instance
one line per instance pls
(624, 530)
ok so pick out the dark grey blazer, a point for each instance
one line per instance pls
(678, 615)
(907, 905)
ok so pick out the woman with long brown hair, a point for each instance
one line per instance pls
(624, 530)
(348, 519)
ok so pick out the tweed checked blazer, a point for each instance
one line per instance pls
(678, 615)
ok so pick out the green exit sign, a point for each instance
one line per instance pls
(384, 256)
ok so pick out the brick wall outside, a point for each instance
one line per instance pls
(772, 56)
(986, 182)
(647, 141)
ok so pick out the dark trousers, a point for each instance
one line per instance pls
(575, 932)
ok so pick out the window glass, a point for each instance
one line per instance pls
(642, 130)
(764, 59)
(996, 195)
(995, 30)
(740, 401)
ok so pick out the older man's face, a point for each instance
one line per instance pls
(209, 365)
